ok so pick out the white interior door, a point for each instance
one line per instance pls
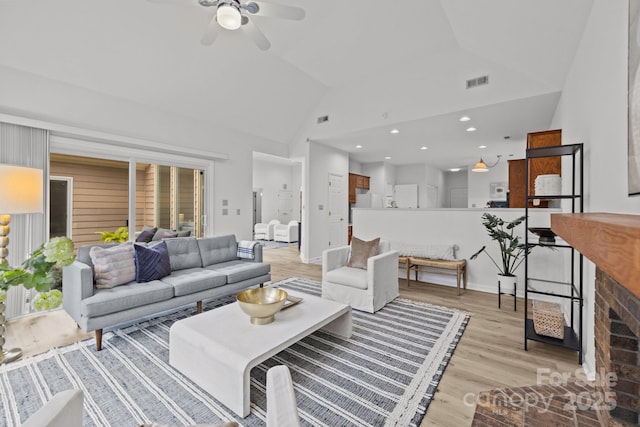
(336, 211)
(285, 206)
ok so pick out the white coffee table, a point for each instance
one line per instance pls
(218, 348)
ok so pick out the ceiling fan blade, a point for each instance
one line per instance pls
(279, 11)
(257, 36)
(211, 32)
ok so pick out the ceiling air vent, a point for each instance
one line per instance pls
(478, 81)
(323, 119)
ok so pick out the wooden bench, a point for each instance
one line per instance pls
(418, 265)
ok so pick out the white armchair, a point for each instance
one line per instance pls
(286, 232)
(262, 231)
(63, 410)
(367, 290)
(282, 410)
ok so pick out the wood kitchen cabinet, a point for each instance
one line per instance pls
(357, 181)
(517, 195)
(539, 166)
(352, 188)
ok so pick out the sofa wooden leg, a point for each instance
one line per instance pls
(98, 339)
(261, 285)
(199, 307)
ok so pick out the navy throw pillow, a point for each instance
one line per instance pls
(146, 236)
(152, 262)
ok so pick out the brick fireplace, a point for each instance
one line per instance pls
(617, 328)
(612, 243)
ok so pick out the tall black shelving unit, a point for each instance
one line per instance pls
(573, 289)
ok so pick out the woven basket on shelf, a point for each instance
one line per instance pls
(548, 319)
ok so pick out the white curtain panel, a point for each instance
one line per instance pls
(29, 147)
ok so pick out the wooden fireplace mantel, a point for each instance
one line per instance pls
(611, 241)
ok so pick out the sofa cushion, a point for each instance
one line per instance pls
(237, 270)
(146, 236)
(131, 295)
(184, 253)
(191, 280)
(169, 235)
(152, 262)
(361, 251)
(184, 233)
(83, 252)
(160, 232)
(113, 266)
(348, 276)
(215, 250)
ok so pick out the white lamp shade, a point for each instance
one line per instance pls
(21, 190)
(228, 17)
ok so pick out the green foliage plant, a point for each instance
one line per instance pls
(121, 235)
(512, 252)
(39, 270)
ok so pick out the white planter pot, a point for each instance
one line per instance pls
(507, 285)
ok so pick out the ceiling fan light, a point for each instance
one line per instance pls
(228, 16)
(481, 166)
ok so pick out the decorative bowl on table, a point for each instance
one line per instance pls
(261, 304)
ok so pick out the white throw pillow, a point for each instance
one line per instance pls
(113, 266)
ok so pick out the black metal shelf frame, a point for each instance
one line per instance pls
(573, 332)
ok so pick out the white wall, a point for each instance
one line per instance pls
(422, 175)
(593, 110)
(479, 183)
(454, 180)
(375, 172)
(33, 97)
(272, 178)
(462, 227)
(323, 160)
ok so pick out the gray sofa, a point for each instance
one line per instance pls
(201, 269)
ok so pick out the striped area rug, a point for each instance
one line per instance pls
(385, 374)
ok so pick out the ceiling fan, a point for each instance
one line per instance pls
(234, 14)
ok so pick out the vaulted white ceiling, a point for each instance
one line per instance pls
(369, 65)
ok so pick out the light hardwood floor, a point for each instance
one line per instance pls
(489, 355)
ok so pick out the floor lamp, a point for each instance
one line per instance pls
(21, 192)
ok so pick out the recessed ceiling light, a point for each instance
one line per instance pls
(395, 131)
(482, 146)
(358, 146)
(471, 129)
(387, 158)
(424, 148)
(454, 170)
(465, 118)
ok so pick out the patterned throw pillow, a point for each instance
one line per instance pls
(361, 251)
(151, 262)
(113, 266)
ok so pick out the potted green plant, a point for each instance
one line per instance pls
(512, 252)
